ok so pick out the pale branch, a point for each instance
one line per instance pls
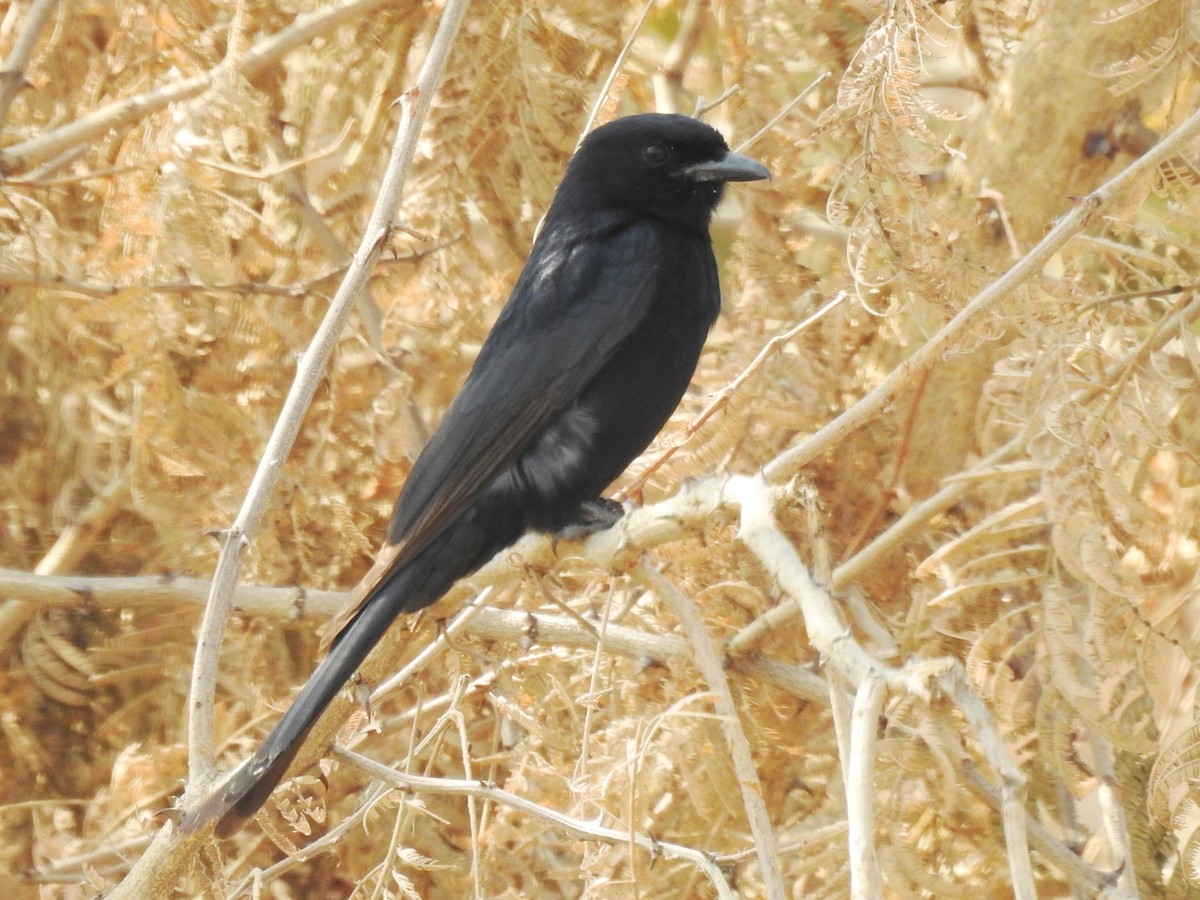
(298, 290)
(114, 592)
(31, 592)
(576, 828)
(12, 76)
(127, 112)
(954, 684)
(616, 549)
(1086, 880)
(841, 651)
(73, 543)
(169, 853)
(488, 623)
(761, 534)
(710, 663)
(841, 705)
(816, 835)
(932, 352)
(309, 376)
(866, 880)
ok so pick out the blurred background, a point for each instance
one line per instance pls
(183, 183)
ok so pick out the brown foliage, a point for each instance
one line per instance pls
(160, 273)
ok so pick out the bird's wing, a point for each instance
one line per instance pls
(572, 307)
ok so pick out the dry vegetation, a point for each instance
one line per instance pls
(1004, 509)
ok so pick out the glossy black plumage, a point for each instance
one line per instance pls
(586, 362)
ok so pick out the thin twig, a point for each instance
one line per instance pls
(576, 828)
(579, 775)
(720, 399)
(787, 108)
(602, 95)
(788, 463)
(445, 639)
(241, 288)
(123, 114)
(817, 835)
(709, 662)
(704, 107)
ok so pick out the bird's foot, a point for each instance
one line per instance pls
(592, 516)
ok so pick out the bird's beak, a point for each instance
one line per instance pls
(733, 167)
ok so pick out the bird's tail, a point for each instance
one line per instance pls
(252, 783)
(418, 584)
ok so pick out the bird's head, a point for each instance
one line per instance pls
(668, 166)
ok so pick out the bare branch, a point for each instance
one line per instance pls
(706, 658)
(308, 376)
(909, 372)
(576, 828)
(127, 112)
(12, 76)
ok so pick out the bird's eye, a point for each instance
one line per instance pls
(656, 154)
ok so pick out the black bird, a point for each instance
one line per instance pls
(587, 360)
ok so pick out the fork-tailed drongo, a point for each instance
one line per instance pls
(585, 363)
